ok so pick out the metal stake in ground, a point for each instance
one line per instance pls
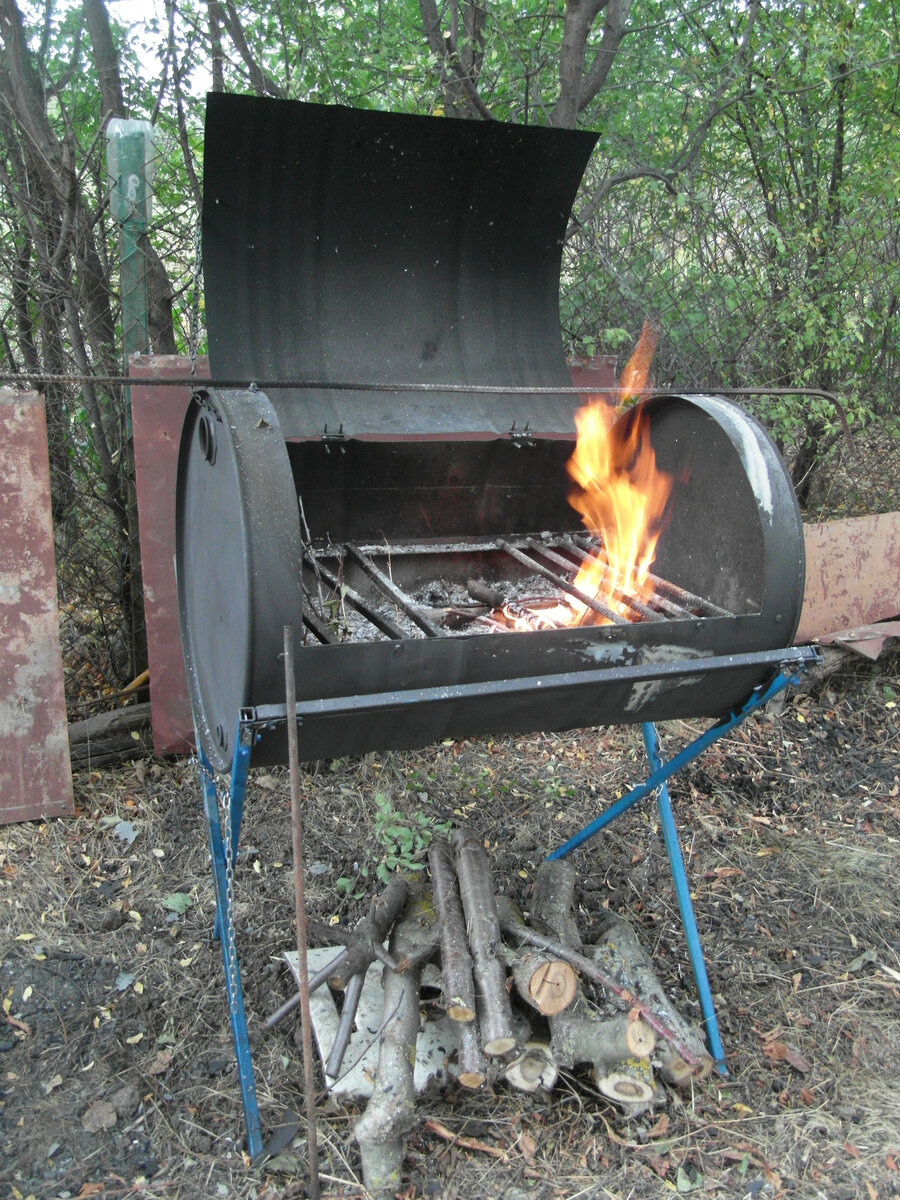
(290, 688)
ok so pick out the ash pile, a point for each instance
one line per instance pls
(520, 998)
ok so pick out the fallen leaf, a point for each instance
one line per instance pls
(178, 902)
(90, 1189)
(660, 1129)
(527, 1145)
(161, 1063)
(50, 1084)
(126, 831)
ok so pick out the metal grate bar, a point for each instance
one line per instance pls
(390, 588)
(644, 611)
(665, 590)
(569, 588)
(350, 596)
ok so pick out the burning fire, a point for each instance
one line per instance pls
(621, 494)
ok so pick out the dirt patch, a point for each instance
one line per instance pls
(116, 1069)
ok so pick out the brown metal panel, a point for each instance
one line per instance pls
(594, 371)
(157, 417)
(35, 774)
(852, 574)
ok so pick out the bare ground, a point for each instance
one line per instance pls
(116, 1072)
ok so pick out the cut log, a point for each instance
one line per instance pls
(619, 953)
(473, 1070)
(513, 924)
(628, 1084)
(491, 997)
(619, 1048)
(534, 1068)
(456, 961)
(390, 1114)
(547, 984)
(579, 1035)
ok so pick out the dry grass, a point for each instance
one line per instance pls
(791, 829)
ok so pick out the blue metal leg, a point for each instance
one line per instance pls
(685, 907)
(667, 770)
(224, 922)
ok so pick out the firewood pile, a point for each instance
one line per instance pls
(525, 997)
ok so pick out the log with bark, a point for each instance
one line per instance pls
(619, 953)
(111, 737)
(545, 983)
(390, 1114)
(618, 1048)
(456, 961)
(483, 931)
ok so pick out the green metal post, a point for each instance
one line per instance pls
(130, 167)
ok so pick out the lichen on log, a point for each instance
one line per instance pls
(381, 1131)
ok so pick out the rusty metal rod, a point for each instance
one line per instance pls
(637, 606)
(538, 569)
(689, 599)
(193, 381)
(390, 588)
(300, 905)
(352, 597)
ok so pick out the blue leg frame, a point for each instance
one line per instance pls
(223, 928)
(656, 781)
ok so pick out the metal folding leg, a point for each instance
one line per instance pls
(660, 772)
(223, 853)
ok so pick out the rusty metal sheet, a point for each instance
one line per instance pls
(157, 417)
(867, 640)
(35, 773)
(594, 371)
(852, 574)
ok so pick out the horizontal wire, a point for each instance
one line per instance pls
(463, 388)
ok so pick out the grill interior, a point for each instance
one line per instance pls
(378, 592)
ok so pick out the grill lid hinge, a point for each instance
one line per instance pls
(521, 437)
(334, 439)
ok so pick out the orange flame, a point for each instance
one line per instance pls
(621, 494)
